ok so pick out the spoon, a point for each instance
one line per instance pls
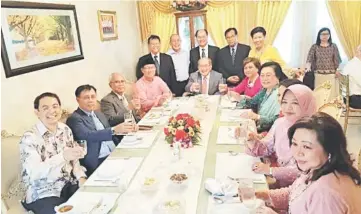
(233, 153)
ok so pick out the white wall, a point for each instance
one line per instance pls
(101, 59)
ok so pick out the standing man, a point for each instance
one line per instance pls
(230, 58)
(204, 50)
(163, 63)
(181, 63)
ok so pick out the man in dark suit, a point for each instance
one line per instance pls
(163, 63)
(204, 50)
(93, 127)
(230, 58)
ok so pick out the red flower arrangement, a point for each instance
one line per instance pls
(183, 128)
(186, 5)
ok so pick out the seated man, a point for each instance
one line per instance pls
(353, 69)
(205, 80)
(49, 158)
(152, 90)
(93, 127)
(115, 104)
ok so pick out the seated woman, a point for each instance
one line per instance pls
(329, 183)
(297, 102)
(250, 85)
(265, 102)
(152, 90)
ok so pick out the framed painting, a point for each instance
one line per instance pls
(35, 36)
(108, 25)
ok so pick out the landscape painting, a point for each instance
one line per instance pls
(37, 36)
(108, 25)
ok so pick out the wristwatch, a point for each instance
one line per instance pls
(113, 130)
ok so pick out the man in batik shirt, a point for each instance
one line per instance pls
(49, 157)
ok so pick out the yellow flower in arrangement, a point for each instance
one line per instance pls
(191, 133)
(180, 122)
(174, 121)
(173, 131)
(190, 129)
(180, 128)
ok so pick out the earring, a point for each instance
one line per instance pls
(329, 157)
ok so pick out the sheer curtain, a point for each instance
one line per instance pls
(299, 31)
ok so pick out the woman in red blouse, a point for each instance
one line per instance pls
(250, 85)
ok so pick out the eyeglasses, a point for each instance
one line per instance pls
(325, 34)
(117, 81)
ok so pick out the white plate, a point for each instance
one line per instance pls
(130, 143)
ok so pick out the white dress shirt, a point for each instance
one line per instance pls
(205, 51)
(181, 64)
(235, 49)
(353, 69)
(158, 57)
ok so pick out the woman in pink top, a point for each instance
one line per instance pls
(250, 85)
(151, 89)
(329, 183)
(297, 102)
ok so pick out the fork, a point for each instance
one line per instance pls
(96, 206)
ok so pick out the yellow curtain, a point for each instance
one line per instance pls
(238, 14)
(346, 16)
(164, 26)
(270, 15)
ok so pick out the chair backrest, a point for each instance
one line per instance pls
(343, 81)
(322, 93)
(333, 109)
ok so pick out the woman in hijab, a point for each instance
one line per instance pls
(297, 102)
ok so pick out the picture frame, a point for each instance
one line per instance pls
(36, 36)
(108, 25)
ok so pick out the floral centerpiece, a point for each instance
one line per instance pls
(187, 5)
(183, 128)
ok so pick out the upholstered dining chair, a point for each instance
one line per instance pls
(344, 88)
(322, 93)
(334, 109)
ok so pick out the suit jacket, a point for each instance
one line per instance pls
(167, 71)
(83, 128)
(113, 109)
(215, 79)
(194, 56)
(224, 61)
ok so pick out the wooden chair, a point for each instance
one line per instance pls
(322, 93)
(344, 88)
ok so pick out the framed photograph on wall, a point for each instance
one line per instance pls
(35, 36)
(108, 25)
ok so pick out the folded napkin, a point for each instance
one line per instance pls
(221, 187)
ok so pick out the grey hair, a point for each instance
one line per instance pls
(209, 60)
(111, 76)
(174, 34)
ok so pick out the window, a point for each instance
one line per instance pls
(299, 31)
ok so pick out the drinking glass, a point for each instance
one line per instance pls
(128, 117)
(246, 192)
(223, 86)
(197, 86)
(83, 144)
(136, 103)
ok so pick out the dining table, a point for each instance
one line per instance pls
(118, 185)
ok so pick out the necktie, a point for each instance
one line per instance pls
(157, 64)
(233, 56)
(203, 53)
(107, 146)
(125, 102)
(204, 85)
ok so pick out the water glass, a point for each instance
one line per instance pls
(136, 103)
(223, 86)
(83, 144)
(128, 117)
(246, 190)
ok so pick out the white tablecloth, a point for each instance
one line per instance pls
(145, 140)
